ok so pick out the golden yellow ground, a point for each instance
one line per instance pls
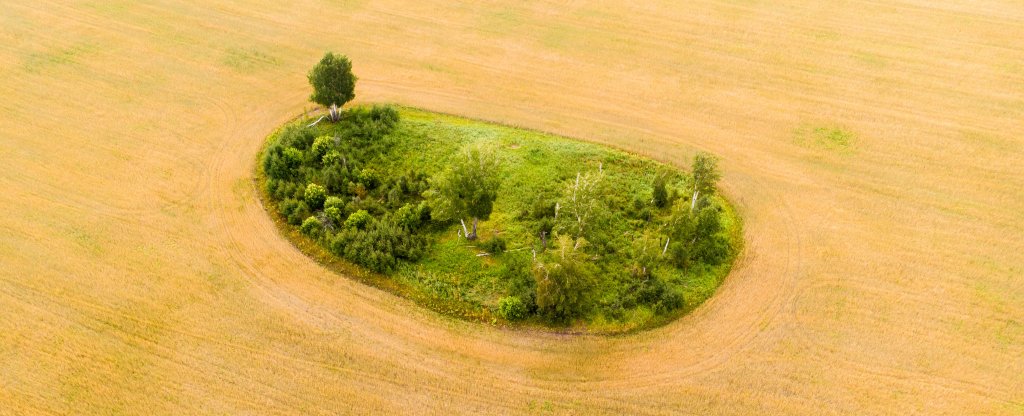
(139, 275)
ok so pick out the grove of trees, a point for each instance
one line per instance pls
(598, 241)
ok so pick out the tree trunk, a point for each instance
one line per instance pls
(693, 202)
(333, 111)
(666, 246)
(473, 236)
(465, 232)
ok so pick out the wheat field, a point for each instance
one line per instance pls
(875, 150)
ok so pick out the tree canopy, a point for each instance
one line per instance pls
(565, 280)
(705, 177)
(467, 189)
(332, 80)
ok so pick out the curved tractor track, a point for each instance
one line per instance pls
(873, 148)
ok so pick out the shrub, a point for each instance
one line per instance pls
(287, 206)
(495, 245)
(334, 202)
(299, 213)
(515, 272)
(543, 209)
(281, 162)
(565, 281)
(333, 214)
(320, 147)
(671, 300)
(332, 157)
(660, 192)
(370, 126)
(407, 217)
(380, 246)
(311, 226)
(297, 136)
(512, 308)
(423, 210)
(650, 291)
(315, 196)
(386, 115)
(368, 178)
(358, 219)
(335, 178)
(640, 209)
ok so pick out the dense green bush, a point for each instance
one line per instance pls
(315, 196)
(332, 158)
(565, 281)
(311, 226)
(334, 202)
(380, 245)
(671, 300)
(358, 219)
(320, 147)
(660, 192)
(512, 308)
(496, 245)
(333, 216)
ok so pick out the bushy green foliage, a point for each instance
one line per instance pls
(565, 281)
(581, 203)
(334, 202)
(660, 192)
(358, 219)
(496, 245)
(281, 162)
(320, 147)
(412, 217)
(375, 182)
(512, 308)
(369, 125)
(332, 80)
(332, 157)
(380, 245)
(467, 189)
(333, 216)
(315, 196)
(368, 178)
(311, 226)
(704, 177)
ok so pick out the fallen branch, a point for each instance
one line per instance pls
(317, 121)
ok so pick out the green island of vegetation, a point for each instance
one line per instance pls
(493, 223)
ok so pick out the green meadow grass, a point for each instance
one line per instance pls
(455, 277)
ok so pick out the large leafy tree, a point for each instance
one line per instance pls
(581, 203)
(705, 177)
(333, 82)
(692, 233)
(467, 189)
(565, 280)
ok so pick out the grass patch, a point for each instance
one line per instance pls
(248, 60)
(385, 170)
(827, 137)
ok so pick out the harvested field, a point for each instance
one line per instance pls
(874, 149)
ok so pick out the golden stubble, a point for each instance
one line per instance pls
(874, 150)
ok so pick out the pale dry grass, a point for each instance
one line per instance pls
(140, 276)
